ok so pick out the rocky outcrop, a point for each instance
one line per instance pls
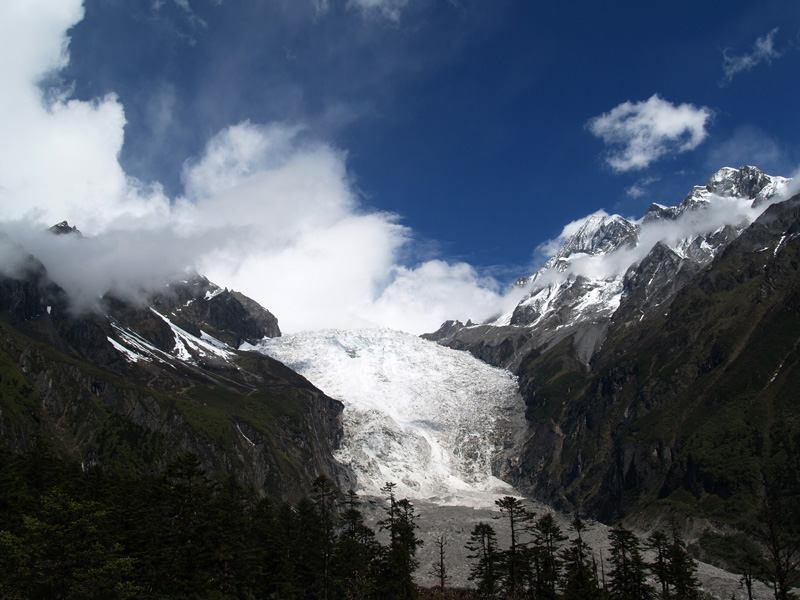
(685, 409)
(76, 384)
(661, 386)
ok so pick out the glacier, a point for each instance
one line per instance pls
(439, 423)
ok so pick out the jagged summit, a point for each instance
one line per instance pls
(63, 228)
(600, 235)
(745, 182)
(611, 264)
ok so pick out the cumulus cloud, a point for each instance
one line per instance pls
(304, 245)
(58, 155)
(639, 133)
(267, 209)
(763, 51)
(436, 291)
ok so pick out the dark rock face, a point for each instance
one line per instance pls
(746, 182)
(73, 386)
(63, 228)
(498, 346)
(671, 401)
(679, 408)
(198, 305)
(25, 290)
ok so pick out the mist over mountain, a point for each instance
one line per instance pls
(606, 261)
(647, 371)
(656, 357)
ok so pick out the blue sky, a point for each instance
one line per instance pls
(435, 143)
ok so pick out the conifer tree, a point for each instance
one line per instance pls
(628, 577)
(324, 495)
(356, 555)
(483, 550)
(682, 568)
(547, 536)
(305, 543)
(658, 542)
(580, 579)
(69, 557)
(274, 572)
(781, 569)
(189, 555)
(400, 560)
(514, 560)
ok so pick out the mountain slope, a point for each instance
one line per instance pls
(610, 263)
(139, 385)
(681, 397)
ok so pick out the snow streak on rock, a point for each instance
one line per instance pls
(437, 422)
(584, 280)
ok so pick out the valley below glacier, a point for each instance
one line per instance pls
(444, 427)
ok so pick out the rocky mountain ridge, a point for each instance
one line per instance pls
(138, 385)
(612, 264)
(641, 348)
(665, 385)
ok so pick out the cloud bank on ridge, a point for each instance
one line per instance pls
(267, 209)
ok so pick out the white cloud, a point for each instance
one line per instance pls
(642, 132)
(125, 262)
(639, 189)
(267, 209)
(389, 9)
(58, 157)
(763, 51)
(435, 291)
(304, 247)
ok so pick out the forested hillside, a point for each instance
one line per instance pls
(70, 533)
(135, 383)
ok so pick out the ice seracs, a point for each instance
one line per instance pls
(439, 423)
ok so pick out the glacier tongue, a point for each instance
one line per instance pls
(435, 421)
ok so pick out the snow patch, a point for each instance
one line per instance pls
(129, 354)
(185, 342)
(239, 429)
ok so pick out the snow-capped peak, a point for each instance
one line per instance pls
(585, 281)
(600, 234)
(745, 182)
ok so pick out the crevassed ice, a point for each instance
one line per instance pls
(428, 418)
